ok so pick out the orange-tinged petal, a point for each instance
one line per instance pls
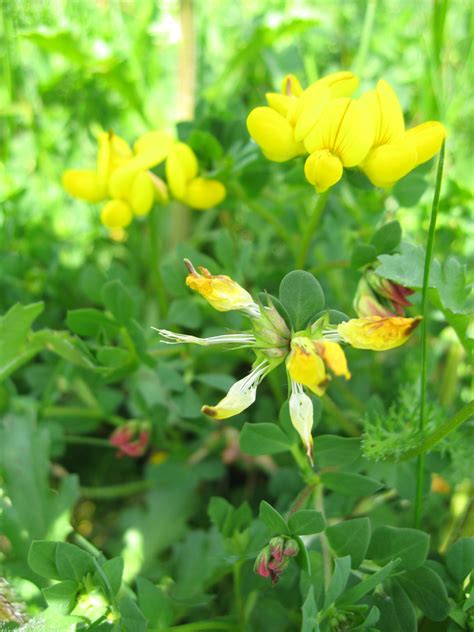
(427, 138)
(152, 148)
(181, 167)
(142, 194)
(116, 214)
(377, 333)
(274, 134)
(386, 164)
(291, 86)
(204, 193)
(334, 357)
(323, 169)
(305, 366)
(220, 291)
(83, 184)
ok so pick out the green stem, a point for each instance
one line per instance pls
(239, 603)
(117, 491)
(155, 241)
(313, 223)
(346, 424)
(203, 626)
(319, 504)
(302, 497)
(80, 440)
(442, 431)
(366, 36)
(423, 333)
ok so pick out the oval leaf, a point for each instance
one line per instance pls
(301, 296)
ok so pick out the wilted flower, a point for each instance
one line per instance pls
(274, 558)
(313, 356)
(131, 439)
(377, 296)
(185, 185)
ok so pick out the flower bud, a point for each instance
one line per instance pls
(131, 439)
(274, 559)
(292, 548)
(261, 563)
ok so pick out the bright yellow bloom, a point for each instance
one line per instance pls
(116, 214)
(220, 291)
(377, 333)
(342, 137)
(280, 127)
(185, 185)
(396, 152)
(334, 357)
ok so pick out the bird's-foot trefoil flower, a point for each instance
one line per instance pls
(274, 558)
(377, 296)
(131, 439)
(186, 185)
(395, 151)
(312, 356)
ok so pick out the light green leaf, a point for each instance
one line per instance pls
(388, 543)
(350, 484)
(264, 438)
(273, 519)
(350, 537)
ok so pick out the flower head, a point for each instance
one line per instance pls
(313, 357)
(186, 185)
(377, 296)
(274, 558)
(131, 439)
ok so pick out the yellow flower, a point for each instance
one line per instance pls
(342, 137)
(280, 127)
(395, 152)
(377, 333)
(220, 291)
(185, 185)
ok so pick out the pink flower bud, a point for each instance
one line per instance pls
(131, 439)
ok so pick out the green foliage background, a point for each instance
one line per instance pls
(71, 69)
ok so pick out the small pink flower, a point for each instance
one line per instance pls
(131, 439)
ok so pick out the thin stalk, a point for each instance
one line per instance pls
(117, 491)
(423, 333)
(95, 441)
(302, 497)
(313, 223)
(155, 262)
(367, 29)
(239, 603)
(346, 424)
(203, 626)
(327, 571)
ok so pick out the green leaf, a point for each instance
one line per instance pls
(114, 357)
(42, 558)
(350, 484)
(118, 300)
(265, 438)
(301, 296)
(227, 518)
(334, 451)
(387, 237)
(73, 562)
(64, 345)
(15, 347)
(113, 570)
(409, 190)
(154, 604)
(350, 538)
(90, 322)
(388, 543)
(185, 312)
(273, 519)
(61, 597)
(397, 613)
(310, 613)
(427, 591)
(361, 589)
(406, 267)
(303, 559)
(452, 286)
(132, 619)
(460, 559)
(342, 570)
(306, 522)
(362, 255)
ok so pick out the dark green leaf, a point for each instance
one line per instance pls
(154, 604)
(460, 558)
(73, 562)
(15, 348)
(350, 538)
(118, 301)
(342, 570)
(367, 585)
(397, 613)
(387, 237)
(362, 255)
(388, 543)
(273, 519)
(133, 619)
(301, 296)
(427, 591)
(90, 322)
(265, 438)
(113, 570)
(42, 559)
(350, 484)
(62, 596)
(334, 451)
(310, 613)
(306, 522)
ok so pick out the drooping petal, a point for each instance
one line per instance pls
(240, 396)
(203, 193)
(181, 167)
(305, 366)
(274, 134)
(116, 214)
(142, 194)
(220, 291)
(301, 415)
(83, 184)
(152, 148)
(376, 332)
(388, 163)
(323, 169)
(427, 138)
(334, 357)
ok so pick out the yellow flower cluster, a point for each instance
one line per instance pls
(122, 177)
(338, 131)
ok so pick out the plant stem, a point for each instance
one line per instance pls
(155, 261)
(203, 626)
(302, 497)
(117, 491)
(346, 424)
(80, 440)
(367, 29)
(313, 223)
(238, 590)
(319, 504)
(423, 333)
